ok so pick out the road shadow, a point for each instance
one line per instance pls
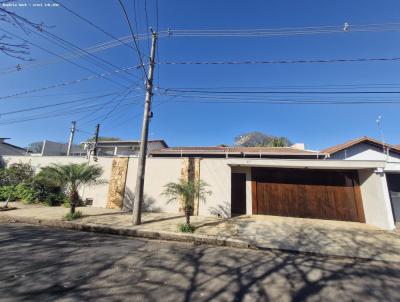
(38, 264)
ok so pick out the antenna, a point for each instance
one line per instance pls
(379, 124)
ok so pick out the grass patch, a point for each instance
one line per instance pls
(76, 215)
(186, 228)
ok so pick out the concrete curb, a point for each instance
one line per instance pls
(131, 232)
(171, 236)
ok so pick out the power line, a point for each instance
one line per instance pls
(63, 84)
(229, 100)
(96, 26)
(70, 55)
(63, 58)
(40, 31)
(285, 31)
(280, 61)
(51, 114)
(122, 94)
(157, 50)
(282, 92)
(134, 40)
(147, 24)
(55, 104)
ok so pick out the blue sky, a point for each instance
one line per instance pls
(188, 122)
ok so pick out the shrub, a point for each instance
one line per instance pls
(25, 193)
(73, 216)
(16, 174)
(47, 192)
(6, 191)
(186, 228)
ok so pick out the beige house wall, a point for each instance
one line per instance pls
(376, 200)
(217, 174)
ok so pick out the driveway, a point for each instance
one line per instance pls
(43, 264)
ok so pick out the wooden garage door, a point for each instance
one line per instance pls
(322, 194)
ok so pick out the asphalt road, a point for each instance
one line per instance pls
(42, 264)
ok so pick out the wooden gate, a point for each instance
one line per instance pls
(322, 194)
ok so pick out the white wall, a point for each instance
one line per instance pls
(96, 192)
(217, 174)
(159, 172)
(376, 200)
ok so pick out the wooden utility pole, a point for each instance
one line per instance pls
(71, 137)
(138, 202)
(96, 139)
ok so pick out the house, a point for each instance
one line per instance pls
(50, 148)
(237, 152)
(366, 148)
(9, 149)
(289, 181)
(292, 182)
(123, 148)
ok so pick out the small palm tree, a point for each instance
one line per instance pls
(71, 178)
(188, 190)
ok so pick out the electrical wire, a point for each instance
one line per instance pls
(40, 31)
(63, 84)
(70, 55)
(281, 92)
(63, 58)
(56, 104)
(387, 59)
(147, 25)
(138, 37)
(134, 40)
(218, 99)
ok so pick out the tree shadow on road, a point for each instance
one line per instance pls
(46, 264)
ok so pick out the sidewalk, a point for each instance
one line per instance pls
(263, 232)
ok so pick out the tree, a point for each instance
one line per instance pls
(188, 190)
(8, 46)
(104, 138)
(71, 178)
(259, 139)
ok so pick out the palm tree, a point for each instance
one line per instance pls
(188, 190)
(71, 178)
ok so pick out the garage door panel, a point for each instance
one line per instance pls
(306, 193)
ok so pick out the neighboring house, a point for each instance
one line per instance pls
(51, 148)
(238, 152)
(9, 149)
(366, 148)
(123, 148)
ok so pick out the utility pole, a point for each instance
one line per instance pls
(138, 202)
(96, 139)
(71, 137)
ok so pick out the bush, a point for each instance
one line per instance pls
(16, 174)
(6, 191)
(25, 193)
(186, 228)
(76, 215)
(48, 193)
